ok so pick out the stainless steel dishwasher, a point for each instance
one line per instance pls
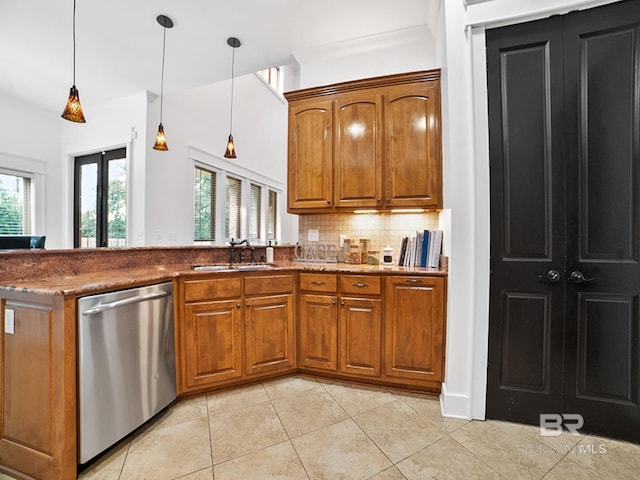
(126, 363)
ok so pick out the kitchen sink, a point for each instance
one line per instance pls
(243, 267)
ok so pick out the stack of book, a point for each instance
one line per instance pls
(421, 250)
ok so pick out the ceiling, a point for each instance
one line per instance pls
(119, 42)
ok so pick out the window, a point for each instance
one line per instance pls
(255, 212)
(205, 205)
(273, 215)
(15, 204)
(274, 77)
(233, 208)
(100, 200)
(231, 205)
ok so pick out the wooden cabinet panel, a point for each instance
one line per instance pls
(318, 282)
(360, 324)
(310, 167)
(413, 151)
(201, 290)
(361, 284)
(269, 334)
(414, 328)
(358, 150)
(266, 285)
(318, 323)
(37, 395)
(213, 334)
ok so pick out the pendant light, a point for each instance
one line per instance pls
(73, 109)
(161, 141)
(234, 43)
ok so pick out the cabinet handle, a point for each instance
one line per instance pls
(342, 303)
(388, 199)
(248, 305)
(333, 302)
(328, 202)
(318, 283)
(413, 280)
(359, 284)
(238, 305)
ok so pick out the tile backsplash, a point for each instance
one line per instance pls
(382, 229)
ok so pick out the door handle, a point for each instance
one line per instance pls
(578, 277)
(552, 275)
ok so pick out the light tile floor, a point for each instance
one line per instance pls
(308, 428)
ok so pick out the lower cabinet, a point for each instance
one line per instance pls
(339, 331)
(386, 329)
(269, 334)
(360, 323)
(213, 342)
(415, 329)
(318, 323)
(233, 327)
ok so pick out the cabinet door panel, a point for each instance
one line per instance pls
(318, 332)
(360, 323)
(414, 333)
(358, 171)
(310, 172)
(413, 168)
(213, 341)
(269, 340)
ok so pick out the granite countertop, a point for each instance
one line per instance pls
(90, 283)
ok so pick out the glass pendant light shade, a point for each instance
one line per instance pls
(161, 140)
(73, 109)
(231, 148)
(234, 43)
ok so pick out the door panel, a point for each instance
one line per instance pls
(602, 50)
(527, 211)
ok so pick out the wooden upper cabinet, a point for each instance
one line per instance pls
(310, 168)
(372, 143)
(413, 159)
(358, 150)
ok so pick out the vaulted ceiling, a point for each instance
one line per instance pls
(119, 42)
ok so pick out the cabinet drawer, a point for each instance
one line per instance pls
(199, 290)
(268, 284)
(363, 284)
(319, 282)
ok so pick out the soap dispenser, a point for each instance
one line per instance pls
(269, 253)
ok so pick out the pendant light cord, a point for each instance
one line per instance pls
(74, 43)
(164, 43)
(233, 62)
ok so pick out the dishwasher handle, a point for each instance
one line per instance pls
(125, 301)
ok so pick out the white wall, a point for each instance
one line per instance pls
(199, 118)
(466, 153)
(30, 142)
(119, 123)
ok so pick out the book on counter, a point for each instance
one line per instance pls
(421, 250)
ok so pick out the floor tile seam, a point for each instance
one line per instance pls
(126, 456)
(304, 467)
(332, 423)
(362, 411)
(428, 419)
(388, 468)
(209, 433)
(480, 459)
(337, 402)
(293, 393)
(195, 471)
(584, 438)
(375, 443)
(243, 407)
(280, 420)
(218, 465)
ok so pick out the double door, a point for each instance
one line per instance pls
(564, 115)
